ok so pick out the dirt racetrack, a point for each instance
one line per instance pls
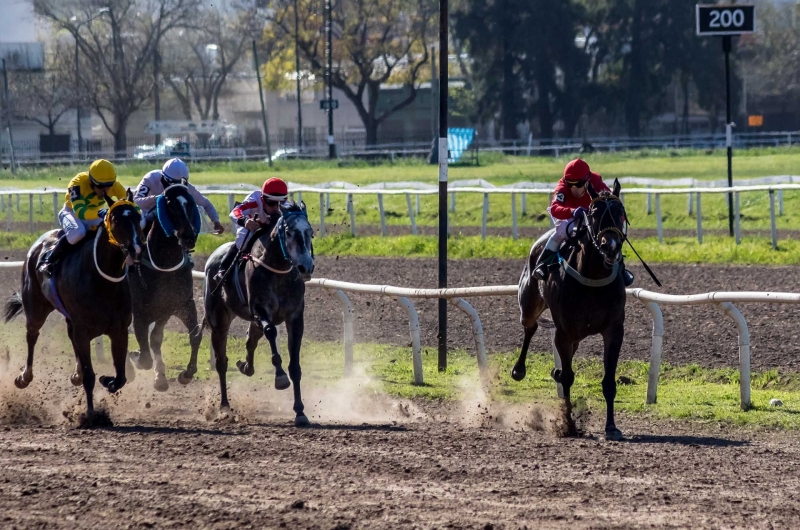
(371, 461)
(427, 473)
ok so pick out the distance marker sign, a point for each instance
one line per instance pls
(725, 19)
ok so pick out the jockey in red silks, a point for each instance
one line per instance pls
(570, 202)
(259, 209)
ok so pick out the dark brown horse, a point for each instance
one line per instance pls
(91, 290)
(267, 290)
(586, 297)
(164, 286)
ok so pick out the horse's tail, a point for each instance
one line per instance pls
(13, 307)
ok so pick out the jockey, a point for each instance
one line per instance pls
(85, 198)
(155, 182)
(259, 209)
(570, 202)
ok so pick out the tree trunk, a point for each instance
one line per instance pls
(685, 88)
(507, 104)
(120, 136)
(372, 132)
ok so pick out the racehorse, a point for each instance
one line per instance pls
(90, 289)
(267, 288)
(587, 297)
(164, 285)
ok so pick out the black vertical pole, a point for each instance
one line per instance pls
(443, 182)
(726, 47)
(263, 107)
(329, 76)
(78, 104)
(297, 73)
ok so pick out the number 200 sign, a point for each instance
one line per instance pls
(725, 19)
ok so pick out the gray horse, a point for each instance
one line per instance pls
(267, 289)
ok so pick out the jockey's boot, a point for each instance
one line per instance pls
(226, 263)
(627, 276)
(546, 259)
(53, 254)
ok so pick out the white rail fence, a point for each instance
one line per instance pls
(694, 201)
(651, 301)
(413, 190)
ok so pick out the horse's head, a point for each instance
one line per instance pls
(607, 223)
(123, 223)
(183, 214)
(295, 233)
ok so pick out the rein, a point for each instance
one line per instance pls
(594, 238)
(94, 255)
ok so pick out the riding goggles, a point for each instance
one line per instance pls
(99, 184)
(577, 183)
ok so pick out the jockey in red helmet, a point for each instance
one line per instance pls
(570, 202)
(260, 208)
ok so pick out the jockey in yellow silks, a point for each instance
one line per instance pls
(86, 197)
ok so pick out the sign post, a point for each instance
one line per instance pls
(726, 21)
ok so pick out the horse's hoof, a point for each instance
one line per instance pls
(185, 377)
(20, 382)
(518, 375)
(301, 421)
(614, 434)
(111, 383)
(555, 373)
(161, 384)
(76, 379)
(225, 408)
(140, 361)
(246, 368)
(282, 382)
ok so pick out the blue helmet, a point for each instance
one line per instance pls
(175, 170)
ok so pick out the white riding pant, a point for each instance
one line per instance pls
(75, 229)
(241, 235)
(560, 235)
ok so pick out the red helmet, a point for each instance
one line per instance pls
(576, 171)
(275, 189)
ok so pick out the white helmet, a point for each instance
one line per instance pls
(175, 170)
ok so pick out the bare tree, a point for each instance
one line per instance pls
(116, 51)
(377, 42)
(199, 59)
(44, 97)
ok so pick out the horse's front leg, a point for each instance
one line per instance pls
(271, 333)
(189, 318)
(294, 329)
(612, 344)
(565, 375)
(253, 335)
(141, 329)
(156, 339)
(119, 355)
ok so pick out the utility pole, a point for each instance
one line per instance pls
(263, 107)
(329, 80)
(726, 47)
(443, 79)
(297, 73)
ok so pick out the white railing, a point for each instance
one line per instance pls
(413, 190)
(651, 301)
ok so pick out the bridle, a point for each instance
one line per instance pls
(280, 232)
(596, 237)
(113, 241)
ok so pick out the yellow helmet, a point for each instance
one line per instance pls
(102, 173)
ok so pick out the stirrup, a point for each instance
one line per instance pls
(627, 277)
(541, 272)
(220, 275)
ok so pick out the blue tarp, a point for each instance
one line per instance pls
(458, 141)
